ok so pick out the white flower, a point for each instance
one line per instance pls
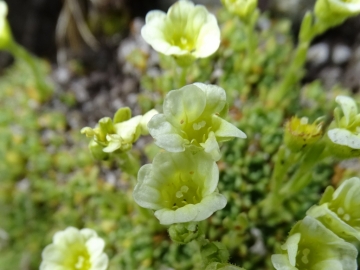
(336, 11)
(312, 246)
(5, 34)
(340, 212)
(345, 137)
(180, 187)
(191, 119)
(74, 249)
(186, 30)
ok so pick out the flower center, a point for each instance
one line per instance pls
(81, 259)
(196, 131)
(182, 41)
(181, 190)
(302, 259)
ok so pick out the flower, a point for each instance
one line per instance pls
(187, 32)
(340, 213)
(299, 133)
(191, 119)
(5, 33)
(242, 8)
(345, 138)
(180, 187)
(119, 133)
(312, 246)
(75, 249)
(336, 11)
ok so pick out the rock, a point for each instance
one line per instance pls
(331, 76)
(341, 54)
(318, 54)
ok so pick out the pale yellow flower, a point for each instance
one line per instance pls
(74, 249)
(186, 31)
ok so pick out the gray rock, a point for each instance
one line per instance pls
(341, 54)
(318, 54)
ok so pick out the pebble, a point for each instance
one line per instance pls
(341, 54)
(318, 54)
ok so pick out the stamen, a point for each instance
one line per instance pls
(340, 211)
(184, 189)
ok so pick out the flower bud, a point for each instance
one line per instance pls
(183, 233)
(241, 8)
(299, 134)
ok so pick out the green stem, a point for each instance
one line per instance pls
(283, 161)
(20, 53)
(302, 177)
(293, 74)
(182, 77)
(252, 41)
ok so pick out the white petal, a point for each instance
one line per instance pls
(211, 146)
(348, 107)
(95, 246)
(281, 262)
(227, 130)
(344, 137)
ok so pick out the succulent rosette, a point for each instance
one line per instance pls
(191, 118)
(345, 137)
(340, 212)
(75, 249)
(180, 187)
(187, 32)
(336, 11)
(312, 246)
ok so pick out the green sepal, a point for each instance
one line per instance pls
(97, 152)
(122, 114)
(183, 233)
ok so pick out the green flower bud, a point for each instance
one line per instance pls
(97, 152)
(180, 187)
(242, 8)
(187, 32)
(312, 246)
(214, 252)
(344, 139)
(183, 233)
(299, 133)
(334, 12)
(120, 134)
(222, 266)
(340, 213)
(190, 120)
(122, 114)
